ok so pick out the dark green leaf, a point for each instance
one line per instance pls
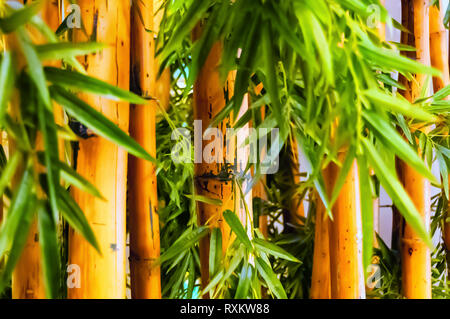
(97, 122)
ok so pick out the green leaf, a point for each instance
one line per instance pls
(17, 212)
(395, 104)
(205, 199)
(245, 279)
(366, 197)
(9, 170)
(236, 226)
(47, 127)
(215, 251)
(66, 50)
(7, 79)
(442, 93)
(73, 178)
(97, 122)
(34, 65)
(392, 60)
(20, 237)
(20, 17)
(271, 279)
(271, 80)
(184, 27)
(274, 250)
(73, 214)
(48, 242)
(444, 172)
(81, 82)
(396, 192)
(186, 241)
(389, 136)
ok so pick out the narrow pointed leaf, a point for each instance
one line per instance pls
(20, 17)
(396, 192)
(48, 242)
(271, 279)
(66, 50)
(274, 250)
(97, 122)
(73, 214)
(395, 142)
(236, 226)
(7, 78)
(81, 82)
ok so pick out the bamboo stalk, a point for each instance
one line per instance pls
(347, 276)
(143, 199)
(209, 99)
(163, 82)
(105, 164)
(438, 46)
(321, 282)
(416, 259)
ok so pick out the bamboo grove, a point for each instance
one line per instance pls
(109, 192)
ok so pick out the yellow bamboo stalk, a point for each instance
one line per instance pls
(209, 99)
(143, 199)
(347, 277)
(105, 164)
(163, 82)
(321, 282)
(27, 280)
(416, 259)
(438, 46)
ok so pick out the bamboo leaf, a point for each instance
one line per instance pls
(9, 170)
(73, 178)
(48, 242)
(20, 17)
(396, 192)
(189, 238)
(395, 104)
(444, 172)
(7, 79)
(67, 50)
(271, 279)
(245, 279)
(274, 250)
(48, 128)
(366, 211)
(20, 236)
(73, 214)
(184, 27)
(215, 251)
(205, 199)
(97, 122)
(78, 81)
(236, 226)
(17, 212)
(389, 136)
(34, 66)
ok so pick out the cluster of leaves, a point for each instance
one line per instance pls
(31, 179)
(244, 268)
(317, 61)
